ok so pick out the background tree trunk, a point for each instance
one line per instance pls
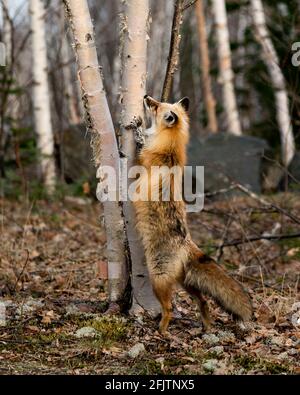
(7, 31)
(225, 66)
(104, 141)
(41, 95)
(69, 88)
(281, 97)
(133, 91)
(210, 102)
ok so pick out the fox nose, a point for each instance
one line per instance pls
(171, 117)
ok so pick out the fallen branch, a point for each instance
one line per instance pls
(266, 203)
(250, 239)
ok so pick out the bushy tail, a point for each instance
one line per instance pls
(203, 274)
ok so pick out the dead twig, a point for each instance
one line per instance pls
(250, 239)
(266, 203)
(22, 271)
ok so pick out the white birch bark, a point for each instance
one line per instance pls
(209, 99)
(104, 141)
(41, 95)
(225, 66)
(271, 60)
(133, 91)
(7, 32)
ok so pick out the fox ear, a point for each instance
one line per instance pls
(185, 103)
(150, 103)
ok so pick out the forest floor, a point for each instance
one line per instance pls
(52, 296)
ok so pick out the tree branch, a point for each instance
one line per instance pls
(188, 5)
(174, 50)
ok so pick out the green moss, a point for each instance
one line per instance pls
(290, 244)
(42, 339)
(209, 248)
(148, 367)
(245, 361)
(251, 363)
(112, 329)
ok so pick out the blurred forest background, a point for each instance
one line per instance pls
(20, 157)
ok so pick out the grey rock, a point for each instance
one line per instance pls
(283, 355)
(240, 157)
(87, 331)
(293, 351)
(210, 339)
(136, 350)
(226, 336)
(28, 307)
(277, 340)
(210, 365)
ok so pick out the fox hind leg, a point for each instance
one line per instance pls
(203, 307)
(163, 290)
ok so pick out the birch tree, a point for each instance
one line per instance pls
(41, 95)
(225, 67)
(104, 141)
(209, 99)
(133, 91)
(281, 97)
(7, 31)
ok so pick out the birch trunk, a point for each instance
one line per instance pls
(225, 65)
(133, 91)
(41, 95)
(104, 138)
(281, 97)
(7, 31)
(209, 99)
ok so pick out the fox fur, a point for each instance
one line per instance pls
(172, 257)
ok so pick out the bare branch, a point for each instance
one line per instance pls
(188, 5)
(269, 204)
(250, 239)
(174, 50)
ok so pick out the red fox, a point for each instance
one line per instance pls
(172, 257)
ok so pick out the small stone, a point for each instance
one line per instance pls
(136, 350)
(217, 350)
(86, 331)
(226, 336)
(72, 309)
(283, 355)
(277, 340)
(28, 307)
(296, 319)
(293, 351)
(210, 365)
(210, 339)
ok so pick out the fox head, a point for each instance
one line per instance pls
(168, 117)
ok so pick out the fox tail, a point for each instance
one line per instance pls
(206, 276)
